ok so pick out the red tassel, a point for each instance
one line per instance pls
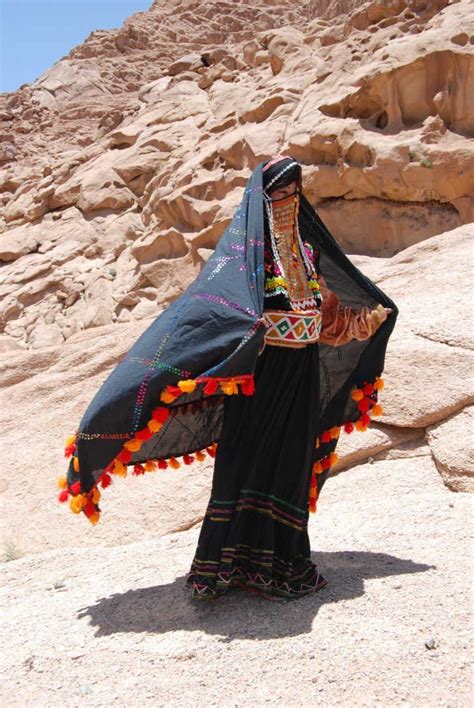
(89, 508)
(368, 389)
(124, 456)
(211, 386)
(63, 495)
(364, 405)
(348, 428)
(325, 463)
(211, 451)
(174, 391)
(325, 437)
(162, 464)
(138, 469)
(144, 434)
(365, 419)
(160, 414)
(76, 488)
(188, 459)
(248, 387)
(69, 450)
(106, 481)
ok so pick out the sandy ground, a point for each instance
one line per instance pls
(115, 626)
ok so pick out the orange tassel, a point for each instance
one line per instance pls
(187, 386)
(173, 462)
(94, 518)
(360, 426)
(317, 468)
(154, 425)
(357, 394)
(167, 397)
(377, 409)
(75, 464)
(133, 445)
(61, 482)
(379, 384)
(119, 469)
(229, 387)
(334, 432)
(333, 458)
(70, 440)
(200, 456)
(150, 465)
(95, 495)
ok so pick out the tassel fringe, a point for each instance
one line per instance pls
(366, 401)
(88, 502)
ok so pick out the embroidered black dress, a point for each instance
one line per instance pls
(255, 529)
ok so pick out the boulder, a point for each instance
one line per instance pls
(451, 446)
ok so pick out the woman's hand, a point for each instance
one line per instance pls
(378, 316)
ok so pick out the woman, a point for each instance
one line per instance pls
(278, 343)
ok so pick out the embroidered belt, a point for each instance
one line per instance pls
(292, 329)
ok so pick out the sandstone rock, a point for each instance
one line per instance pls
(46, 335)
(190, 62)
(451, 446)
(13, 244)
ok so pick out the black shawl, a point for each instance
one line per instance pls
(165, 399)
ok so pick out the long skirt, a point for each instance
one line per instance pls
(255, 533)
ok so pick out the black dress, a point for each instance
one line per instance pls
(255, 533)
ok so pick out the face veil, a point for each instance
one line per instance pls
(163, 404)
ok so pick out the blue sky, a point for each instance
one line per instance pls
(34, 34)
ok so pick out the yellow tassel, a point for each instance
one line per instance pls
(133, 445)
(75, 464)
(360, 426)
(95, 496)
(379, 384)
(317, 468)
(173, 462)
(357, 394)
(61, 482)
(70, 440)
(77, 503)
(377, 409)
(187, 386)
(150, 466)
(333, 458)
(94, 518)
(119, 469)
(334, 432)
(200, 456)
(154, 425)
(167, 397)
(229, 387)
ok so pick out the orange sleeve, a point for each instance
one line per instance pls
(342, 324)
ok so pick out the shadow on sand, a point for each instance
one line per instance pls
(238, 614)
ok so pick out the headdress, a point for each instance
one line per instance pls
(280, 171)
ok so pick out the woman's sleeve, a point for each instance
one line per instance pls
(342, 324)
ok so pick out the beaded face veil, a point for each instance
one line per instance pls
(290, 256)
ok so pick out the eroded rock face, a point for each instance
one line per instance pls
(374, 100)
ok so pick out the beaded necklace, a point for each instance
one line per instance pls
(298, 276)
